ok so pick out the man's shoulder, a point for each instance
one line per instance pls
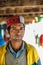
(31, 49)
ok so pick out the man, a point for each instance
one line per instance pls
(17, 51)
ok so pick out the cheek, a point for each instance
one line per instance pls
(22, 32)
(12, 32)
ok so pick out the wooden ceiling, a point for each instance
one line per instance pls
(28, 8)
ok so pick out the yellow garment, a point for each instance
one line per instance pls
(32, 55)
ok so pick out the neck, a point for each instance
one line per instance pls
(16, 45)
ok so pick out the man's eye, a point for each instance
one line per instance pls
(13, 28)
(21, 28)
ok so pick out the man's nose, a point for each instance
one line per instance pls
(18, 30)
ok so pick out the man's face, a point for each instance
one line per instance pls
(17, 31)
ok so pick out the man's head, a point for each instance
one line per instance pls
(16, 27)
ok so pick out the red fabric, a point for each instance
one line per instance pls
(41, 40)
(12, 20)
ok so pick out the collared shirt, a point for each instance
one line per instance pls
(18, 53)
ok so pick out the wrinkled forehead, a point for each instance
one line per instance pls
(17, 25)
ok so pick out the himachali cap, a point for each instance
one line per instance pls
(14, 20)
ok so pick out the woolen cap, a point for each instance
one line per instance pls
(14, 20)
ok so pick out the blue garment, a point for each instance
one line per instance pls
(2, 42)
(2, 31)
(18, 53)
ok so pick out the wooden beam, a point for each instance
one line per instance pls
(30, 6)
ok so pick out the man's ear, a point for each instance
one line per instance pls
(7, 34)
